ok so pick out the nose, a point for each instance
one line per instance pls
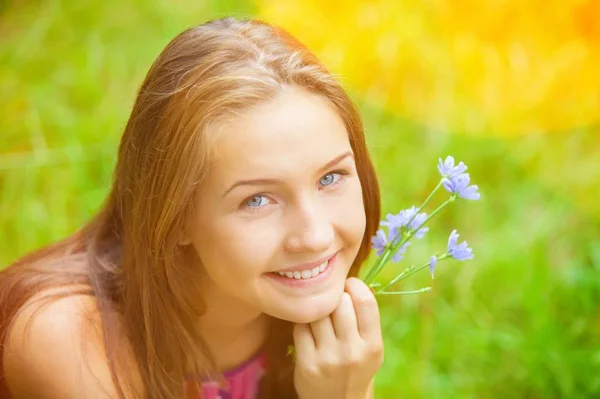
(310, 229)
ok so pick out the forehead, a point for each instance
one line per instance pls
(295, 130)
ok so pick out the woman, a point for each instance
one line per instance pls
(243, 203)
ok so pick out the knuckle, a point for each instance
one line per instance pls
(351, 358)
(310, 370)
(329, 367)
(353, 361)
(357, 287)
(375, 353)
(366, 302)
(346, 301)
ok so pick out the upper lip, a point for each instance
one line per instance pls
(307, 266)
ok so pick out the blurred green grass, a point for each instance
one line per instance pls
(519, 321)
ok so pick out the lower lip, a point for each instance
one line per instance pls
(299, 283)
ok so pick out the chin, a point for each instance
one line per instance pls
(311, 311)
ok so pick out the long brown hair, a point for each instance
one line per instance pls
(128, 254)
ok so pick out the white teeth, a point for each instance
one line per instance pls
(305, 274)
(323, 266)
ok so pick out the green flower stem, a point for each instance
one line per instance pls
(410, 271)
(404, 238)
(419, 291)
(390, 250)
(425, 202)
(387, 254)
(439, 208)
(401, 276)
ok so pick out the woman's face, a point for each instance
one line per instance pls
(280, 217)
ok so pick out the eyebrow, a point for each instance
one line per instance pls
(259, 182)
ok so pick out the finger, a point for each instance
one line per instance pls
(344, 319)
(303, 342)
(323, 332)
(367, 311)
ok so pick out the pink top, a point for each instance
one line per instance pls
(242, 382)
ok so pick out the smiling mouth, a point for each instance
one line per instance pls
(305, 274)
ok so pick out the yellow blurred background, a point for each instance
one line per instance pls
(464, 66)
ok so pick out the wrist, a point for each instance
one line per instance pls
(368, 393)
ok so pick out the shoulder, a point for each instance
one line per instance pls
(55, 349)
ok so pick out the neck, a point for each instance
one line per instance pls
(232, 330)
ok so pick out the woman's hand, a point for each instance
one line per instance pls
(338, 355)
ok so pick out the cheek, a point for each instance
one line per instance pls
(350, 216)
(232, 248)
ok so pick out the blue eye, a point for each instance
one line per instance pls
(256, 201)
(329, 179)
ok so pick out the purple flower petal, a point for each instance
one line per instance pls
(459, 185)
(452, 239)
(393, 233)
(379, 241)
(470, 193)
(460, 251)
(396, 222)
(461, 181)
(448, 185)
(447, 168)
(400, 254)
(432, 263)
(416, 224)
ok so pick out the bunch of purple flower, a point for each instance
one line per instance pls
(411, 222)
